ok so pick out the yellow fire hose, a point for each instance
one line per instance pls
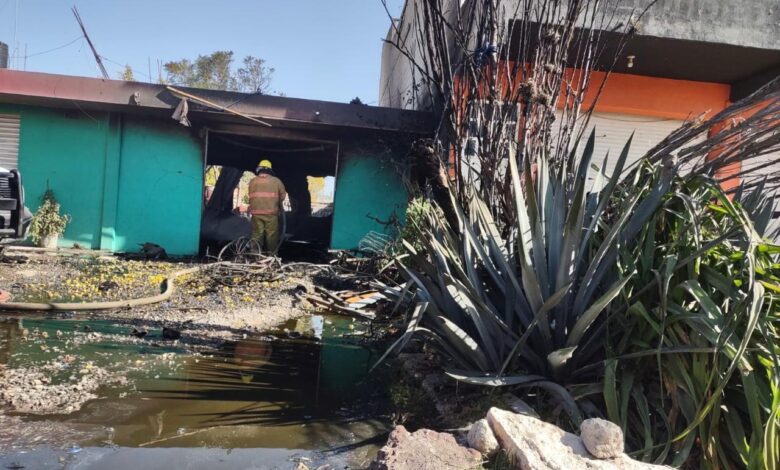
(167, 289)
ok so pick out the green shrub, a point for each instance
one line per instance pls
(691, 372)
(47, 220)
(414, 225)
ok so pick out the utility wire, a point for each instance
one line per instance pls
(125, 65)
(47, 51)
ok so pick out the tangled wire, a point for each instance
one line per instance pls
(241, 261)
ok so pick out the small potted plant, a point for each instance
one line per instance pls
(47, 222)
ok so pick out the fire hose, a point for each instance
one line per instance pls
(167, 288)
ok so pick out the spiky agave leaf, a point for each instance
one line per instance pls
(656, 233)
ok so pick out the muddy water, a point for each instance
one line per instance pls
(302, 392)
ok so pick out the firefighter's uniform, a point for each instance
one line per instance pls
(266, 193)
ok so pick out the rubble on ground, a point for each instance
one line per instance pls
(481, 438)
(200, 300)
(533, 444)
(526, 442)
(32, 390)
(424, 450)
(602, 438)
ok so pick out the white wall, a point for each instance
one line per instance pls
(398, 76)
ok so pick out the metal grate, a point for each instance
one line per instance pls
(5, 188)
(9, 141)
(375, 243)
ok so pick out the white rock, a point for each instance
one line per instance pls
(481, 438)
(533, 444)
(602, 438)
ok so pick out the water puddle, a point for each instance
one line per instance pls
(303, 392)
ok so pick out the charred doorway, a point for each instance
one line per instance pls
(307, 169)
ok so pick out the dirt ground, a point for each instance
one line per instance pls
(201, 301)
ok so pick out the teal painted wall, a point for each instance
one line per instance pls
(367, 187)
(160, 188)
(127, 180)
(66, 151)
(123, 181)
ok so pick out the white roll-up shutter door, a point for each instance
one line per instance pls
(9, 141)
(613, 131)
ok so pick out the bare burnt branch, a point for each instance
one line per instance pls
(516, 80)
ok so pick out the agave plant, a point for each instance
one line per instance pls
(529, 301)
(646, 295)
(660, 305)
(646, 287)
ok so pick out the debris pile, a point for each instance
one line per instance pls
(32, 390)
(424, 450)
(91, 278)
(360, 304)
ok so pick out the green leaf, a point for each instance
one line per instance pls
(753, 315)
(572, 229)
(707, 304)
(563, 395)
(590, 315)
(559, 357)
(462, 342)
(551, 303)
(460, 297)
(525, 236)
(492, 381)
(402, 341)
(610, 391)
(590, 283)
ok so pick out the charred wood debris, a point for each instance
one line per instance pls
(363, 287)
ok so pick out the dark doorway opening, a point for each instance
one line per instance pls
(307, 169)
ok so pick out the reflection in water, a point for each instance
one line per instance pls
(312, 392)
(317, 386)
(8, 331)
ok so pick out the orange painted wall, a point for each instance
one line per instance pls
(729, 175)
(646, 96)
(635, 94)
(658, 97)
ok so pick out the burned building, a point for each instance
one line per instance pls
(128, 161)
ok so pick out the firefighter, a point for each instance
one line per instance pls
(266, 194)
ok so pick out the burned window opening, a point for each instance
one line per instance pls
(307, 170)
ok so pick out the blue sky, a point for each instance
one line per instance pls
(321, 49)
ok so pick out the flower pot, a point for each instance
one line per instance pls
(49, 241)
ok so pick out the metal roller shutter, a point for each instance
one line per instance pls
(9, 141)
(613, 131)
